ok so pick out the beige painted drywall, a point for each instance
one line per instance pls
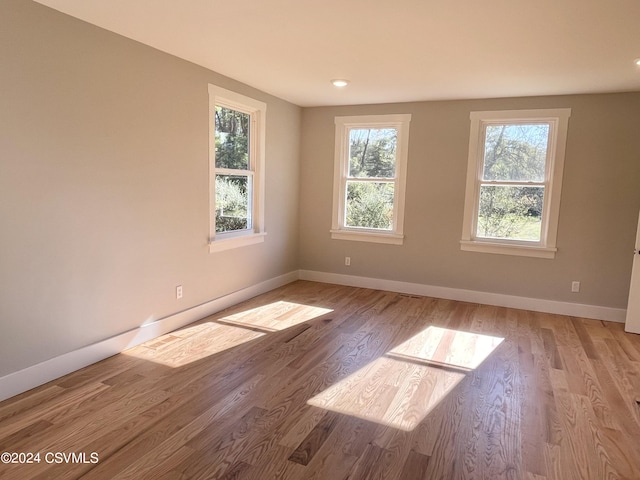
(104, 192)
(104, 186)
(599, 207)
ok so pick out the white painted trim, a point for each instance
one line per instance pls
(473, 296)
(31, 377)
(508, 249)
(558, 120)
(368, 236)
(521, 115)
(236, 242)
(343, 126)
(257, 146)
(632, 324)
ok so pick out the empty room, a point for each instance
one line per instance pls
(319, 240)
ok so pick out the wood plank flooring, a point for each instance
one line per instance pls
(317, 381)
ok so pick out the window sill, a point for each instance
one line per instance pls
(373, 237)
(236, 242)
(508, 249)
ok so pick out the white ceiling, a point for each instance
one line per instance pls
(398, 51)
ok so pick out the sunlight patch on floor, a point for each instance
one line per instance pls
(202, 340)
(400, 388)
(451, 348)
(275, 316)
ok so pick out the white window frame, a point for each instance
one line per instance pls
(343, 126)
(257, 111)
(558, 120)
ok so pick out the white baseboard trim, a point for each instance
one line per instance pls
(31, 377)
(472, 296)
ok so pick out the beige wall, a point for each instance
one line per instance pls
(104, 186)
(104, 192)
(599, 209)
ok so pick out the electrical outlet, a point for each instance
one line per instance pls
(575, 287)
(347, 261)
(179, 291)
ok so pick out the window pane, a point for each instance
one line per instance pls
(232, 139)
(510, 212)
(372, 152)
(370, 205)
(515, 152)
(233, 202)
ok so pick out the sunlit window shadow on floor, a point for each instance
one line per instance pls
(400, 388)
(204, 339)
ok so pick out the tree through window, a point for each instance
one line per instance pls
(371, 154)
(513, 181)
(237, 126)
(512, 187)
(234, 173)
(371, 178)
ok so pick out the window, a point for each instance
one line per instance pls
(513, 181)
(236, 166)
(370, 177)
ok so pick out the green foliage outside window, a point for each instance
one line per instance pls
(231, 203)
(232, 139)
(510, 212)
(233, 192)
(372, 154)
(370, 205)
(513, 153)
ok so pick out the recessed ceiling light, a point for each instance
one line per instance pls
(637, 61)
(339, 82)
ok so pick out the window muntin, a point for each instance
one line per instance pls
(512, 186)
(513, 182)
(371, 153)
(234, 174)
(371, 178)
(237, 166)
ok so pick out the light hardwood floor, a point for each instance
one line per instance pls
(316, 381)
